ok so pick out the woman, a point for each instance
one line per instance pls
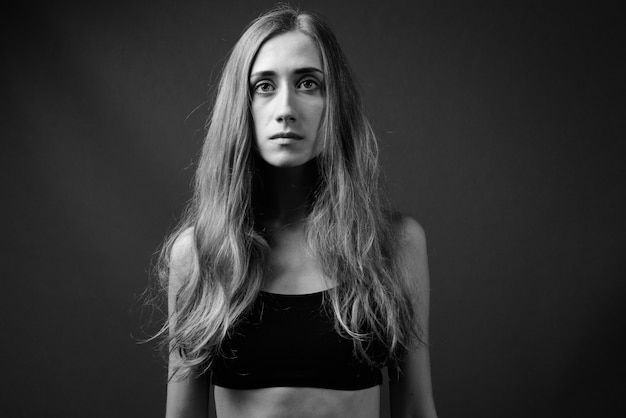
(289, 285)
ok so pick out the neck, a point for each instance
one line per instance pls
(285, 193)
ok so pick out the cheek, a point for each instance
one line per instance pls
(314, 109)
(257, 119)
(259, 110)
(254, 111)
(320, 109)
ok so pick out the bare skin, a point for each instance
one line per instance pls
(297, 402)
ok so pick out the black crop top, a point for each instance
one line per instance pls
(289, 340)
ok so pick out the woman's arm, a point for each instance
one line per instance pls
(187, 398)
(410, 385)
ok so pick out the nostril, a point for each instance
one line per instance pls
(282, 118)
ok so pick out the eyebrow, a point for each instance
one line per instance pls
(297, 71)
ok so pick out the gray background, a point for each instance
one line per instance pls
(501, 127)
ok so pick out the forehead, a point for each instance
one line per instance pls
(286, 52)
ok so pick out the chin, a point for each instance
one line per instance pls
(286, 161)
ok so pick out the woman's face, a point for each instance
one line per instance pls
(287, 88)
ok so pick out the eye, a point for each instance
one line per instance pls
(309, 84)
(263, 87)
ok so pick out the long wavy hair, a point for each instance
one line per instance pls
(347, 228)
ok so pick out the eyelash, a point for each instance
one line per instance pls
(257, 86)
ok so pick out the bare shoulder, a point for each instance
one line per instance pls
(411, 235)
(182, 248)
(411, 252)
(182, 256)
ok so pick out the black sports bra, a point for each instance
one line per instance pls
(290, 341)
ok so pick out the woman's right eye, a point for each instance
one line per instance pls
(263, 87)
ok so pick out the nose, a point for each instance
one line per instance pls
(285, 111)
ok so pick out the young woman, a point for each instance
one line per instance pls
(289, 285)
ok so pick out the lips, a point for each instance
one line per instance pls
(290, 135)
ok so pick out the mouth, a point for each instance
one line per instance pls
(289, 135)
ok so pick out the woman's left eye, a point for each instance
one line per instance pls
(309, 84)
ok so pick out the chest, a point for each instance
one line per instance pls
(291, 267)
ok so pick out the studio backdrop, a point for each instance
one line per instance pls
(501, 131)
